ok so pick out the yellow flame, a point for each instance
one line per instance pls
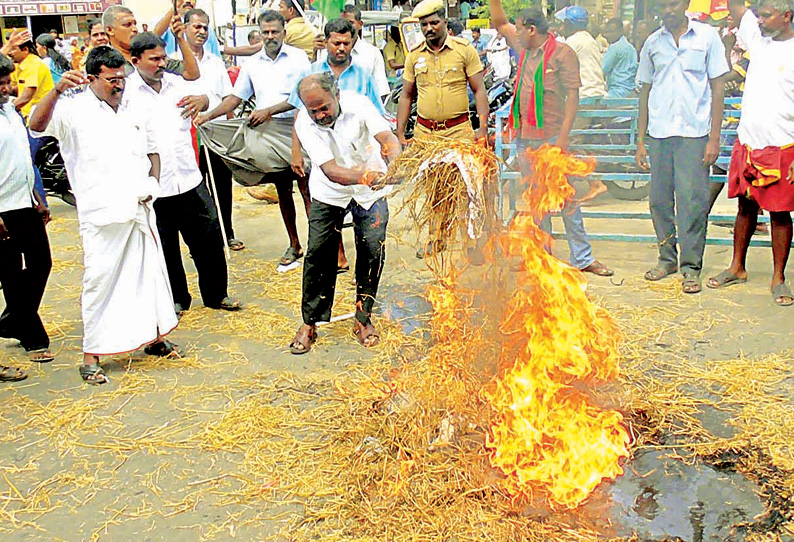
(547, 433)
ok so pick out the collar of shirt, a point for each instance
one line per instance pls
(16, 166)
(425, 46)
(213, 80)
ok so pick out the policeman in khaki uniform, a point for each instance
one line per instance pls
(436, 74)
(438, 71)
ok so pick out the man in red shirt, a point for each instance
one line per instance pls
(547, 116)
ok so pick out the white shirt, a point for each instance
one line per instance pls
(105, 156)
(370, 58)
(499, 57)
(350, 143)
(16, 166)
(768, 103)
(272, 81)
(589, 54)
(179, 170)
(214, 81)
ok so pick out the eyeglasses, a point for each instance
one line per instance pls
(114, 81)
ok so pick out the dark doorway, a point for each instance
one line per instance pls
(44, 23)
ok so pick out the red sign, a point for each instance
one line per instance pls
(19, 8)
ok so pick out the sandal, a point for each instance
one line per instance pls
(369, 340)
(236, 244)
(41, 355)
(11, 374)
(691, 284)
(659, 272)
(93, 374)
(726, 278)
(782, 295)
(161, 349)
(291, 256)
(229, 304)
(597, 268)
(303, 341)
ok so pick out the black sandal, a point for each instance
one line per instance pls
(93, 374)
(291, 256)
(161, 349)
(11, 374)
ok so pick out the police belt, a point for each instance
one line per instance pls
(444, 124)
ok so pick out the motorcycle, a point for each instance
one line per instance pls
(53, 171)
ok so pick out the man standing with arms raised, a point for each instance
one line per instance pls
(271, 75)
(126, 299)
(185, 206)
(681, 100)
(215, 84)
(546, 114)
(437, 74)
(762, 165)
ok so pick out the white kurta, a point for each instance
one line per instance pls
(127, 299)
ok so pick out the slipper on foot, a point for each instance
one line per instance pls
(659, 272)
(93, 374)
(160, 349)
(782, 295)
(691, 284)
(597, 268)
(303, 341)
(11, 374)
(726, 278)
(236, 244)
(291, 256)
(41, 355)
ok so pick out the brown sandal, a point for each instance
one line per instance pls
(11, 374)
(367, 340)
(303, 341)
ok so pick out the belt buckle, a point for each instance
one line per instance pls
(440, 125)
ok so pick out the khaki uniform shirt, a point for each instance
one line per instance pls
(441, 77)
(300, 35)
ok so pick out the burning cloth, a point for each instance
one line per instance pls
(451, 181)
(251, 153)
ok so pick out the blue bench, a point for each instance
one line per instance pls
(613, 148)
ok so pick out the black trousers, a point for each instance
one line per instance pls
(223, 183)
(319, 266)
(193, 215)
(25, 264)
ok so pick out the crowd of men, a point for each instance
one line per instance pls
(318, 121)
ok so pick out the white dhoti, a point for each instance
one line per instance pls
(127, 300)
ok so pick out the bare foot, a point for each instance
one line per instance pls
(596, 189)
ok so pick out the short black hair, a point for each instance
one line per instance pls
(455, 26)
(145, 41)
(196, 12)
(103, 55)
(270, 15)
(30, 47)
(6, 65)
(92, 23)
(291, 4)
(533, 17)
(616, 22)
(350, 8)
(339, 26)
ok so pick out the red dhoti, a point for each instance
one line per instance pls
(762, 175)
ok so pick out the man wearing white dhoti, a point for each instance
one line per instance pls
(127, 301)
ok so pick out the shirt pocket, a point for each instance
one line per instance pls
(453, 75)
(693, 60)
(422, 74)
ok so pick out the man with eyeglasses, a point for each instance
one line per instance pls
(126, 299)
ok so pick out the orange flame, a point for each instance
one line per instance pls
(547, 433)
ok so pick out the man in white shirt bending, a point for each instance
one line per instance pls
(346, 139)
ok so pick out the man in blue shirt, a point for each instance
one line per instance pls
(162, 29)
(348, 75)
(480, 44)
(681, 100)
(619, 62)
